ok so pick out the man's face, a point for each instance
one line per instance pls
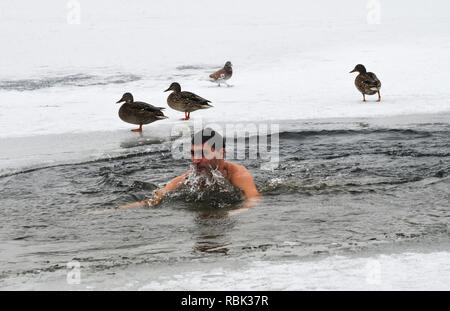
(205, 158)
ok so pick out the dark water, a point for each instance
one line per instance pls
(334, 192)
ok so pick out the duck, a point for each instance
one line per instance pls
(222, 75)
(367, 82)
(185, 101)
(138, 113)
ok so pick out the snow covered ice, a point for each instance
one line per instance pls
(291, 60)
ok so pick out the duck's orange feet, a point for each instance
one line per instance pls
(139, 129)
(186, 116)
(379, 97)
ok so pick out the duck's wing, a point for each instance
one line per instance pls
(146, 107)
(144, 112)
(374, 81)
(219, 74)
(194, 98)
(368, 82)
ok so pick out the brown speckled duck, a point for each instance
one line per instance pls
(367, 82)
(185, 101)
(223, 74)
(139, 113)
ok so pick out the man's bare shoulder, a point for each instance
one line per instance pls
(236, 170)
(241, 177)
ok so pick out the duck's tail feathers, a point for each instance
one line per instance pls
(161, 117)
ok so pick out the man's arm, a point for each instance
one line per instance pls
(242, 179)
(160, 193)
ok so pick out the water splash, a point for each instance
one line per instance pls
(211, 189)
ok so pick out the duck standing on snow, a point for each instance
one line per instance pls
(222, 75)
(367, 82)
(139, 113)
(185, 101)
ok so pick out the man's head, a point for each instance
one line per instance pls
(207, 149)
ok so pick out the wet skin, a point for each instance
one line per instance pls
(205, 159)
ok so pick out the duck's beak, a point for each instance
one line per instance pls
(121, 100)
(354, 70)
(167, 89)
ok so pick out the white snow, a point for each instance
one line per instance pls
(407, 271)
(402, 271)
(291, 59)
